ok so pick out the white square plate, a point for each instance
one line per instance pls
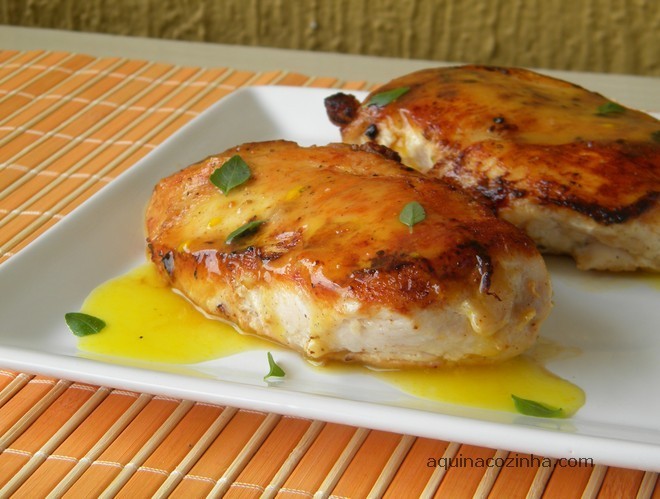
(613, 320)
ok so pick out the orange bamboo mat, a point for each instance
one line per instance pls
(69, 124)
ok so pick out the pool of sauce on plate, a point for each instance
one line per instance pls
(146, 320)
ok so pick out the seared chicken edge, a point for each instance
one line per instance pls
(334, 274)
(580, 174)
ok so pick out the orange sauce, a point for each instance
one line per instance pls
(146, 320)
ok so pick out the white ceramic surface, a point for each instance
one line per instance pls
(612, 320)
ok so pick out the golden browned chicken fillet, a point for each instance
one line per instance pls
(579, 173)
(316, 251)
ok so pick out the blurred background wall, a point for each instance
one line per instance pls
(618, 36)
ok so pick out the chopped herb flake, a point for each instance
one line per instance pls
(384, 98)
(232, 173)
(610, 108)
(275, 370)
(655, 136)
(411, 214)
(244, 230)
(532, 408)
(83, 324)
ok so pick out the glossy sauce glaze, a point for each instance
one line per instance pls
(146, 320)
(528, 134)
(331, 271)
(579, 173)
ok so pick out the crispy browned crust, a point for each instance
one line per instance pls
(511, 134)
(333, 273)
(343, 226)
(342, 108)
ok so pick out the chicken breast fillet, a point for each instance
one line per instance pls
(327, 268)
(579, 173)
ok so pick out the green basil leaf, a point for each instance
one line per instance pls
(244, 230)
(231, 174)
(411, 214)
(384, 98)
(610, 108)
(537, 409)
(83, 324)
(275, 370)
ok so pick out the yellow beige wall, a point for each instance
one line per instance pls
(619, 36)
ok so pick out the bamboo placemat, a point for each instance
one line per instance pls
(69, 124)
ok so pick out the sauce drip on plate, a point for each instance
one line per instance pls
(490, 387)
(146, 320)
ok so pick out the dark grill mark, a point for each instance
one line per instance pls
(381, 150)
(608, 216)
(341, 108)
(168, 262)
(371, 131)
